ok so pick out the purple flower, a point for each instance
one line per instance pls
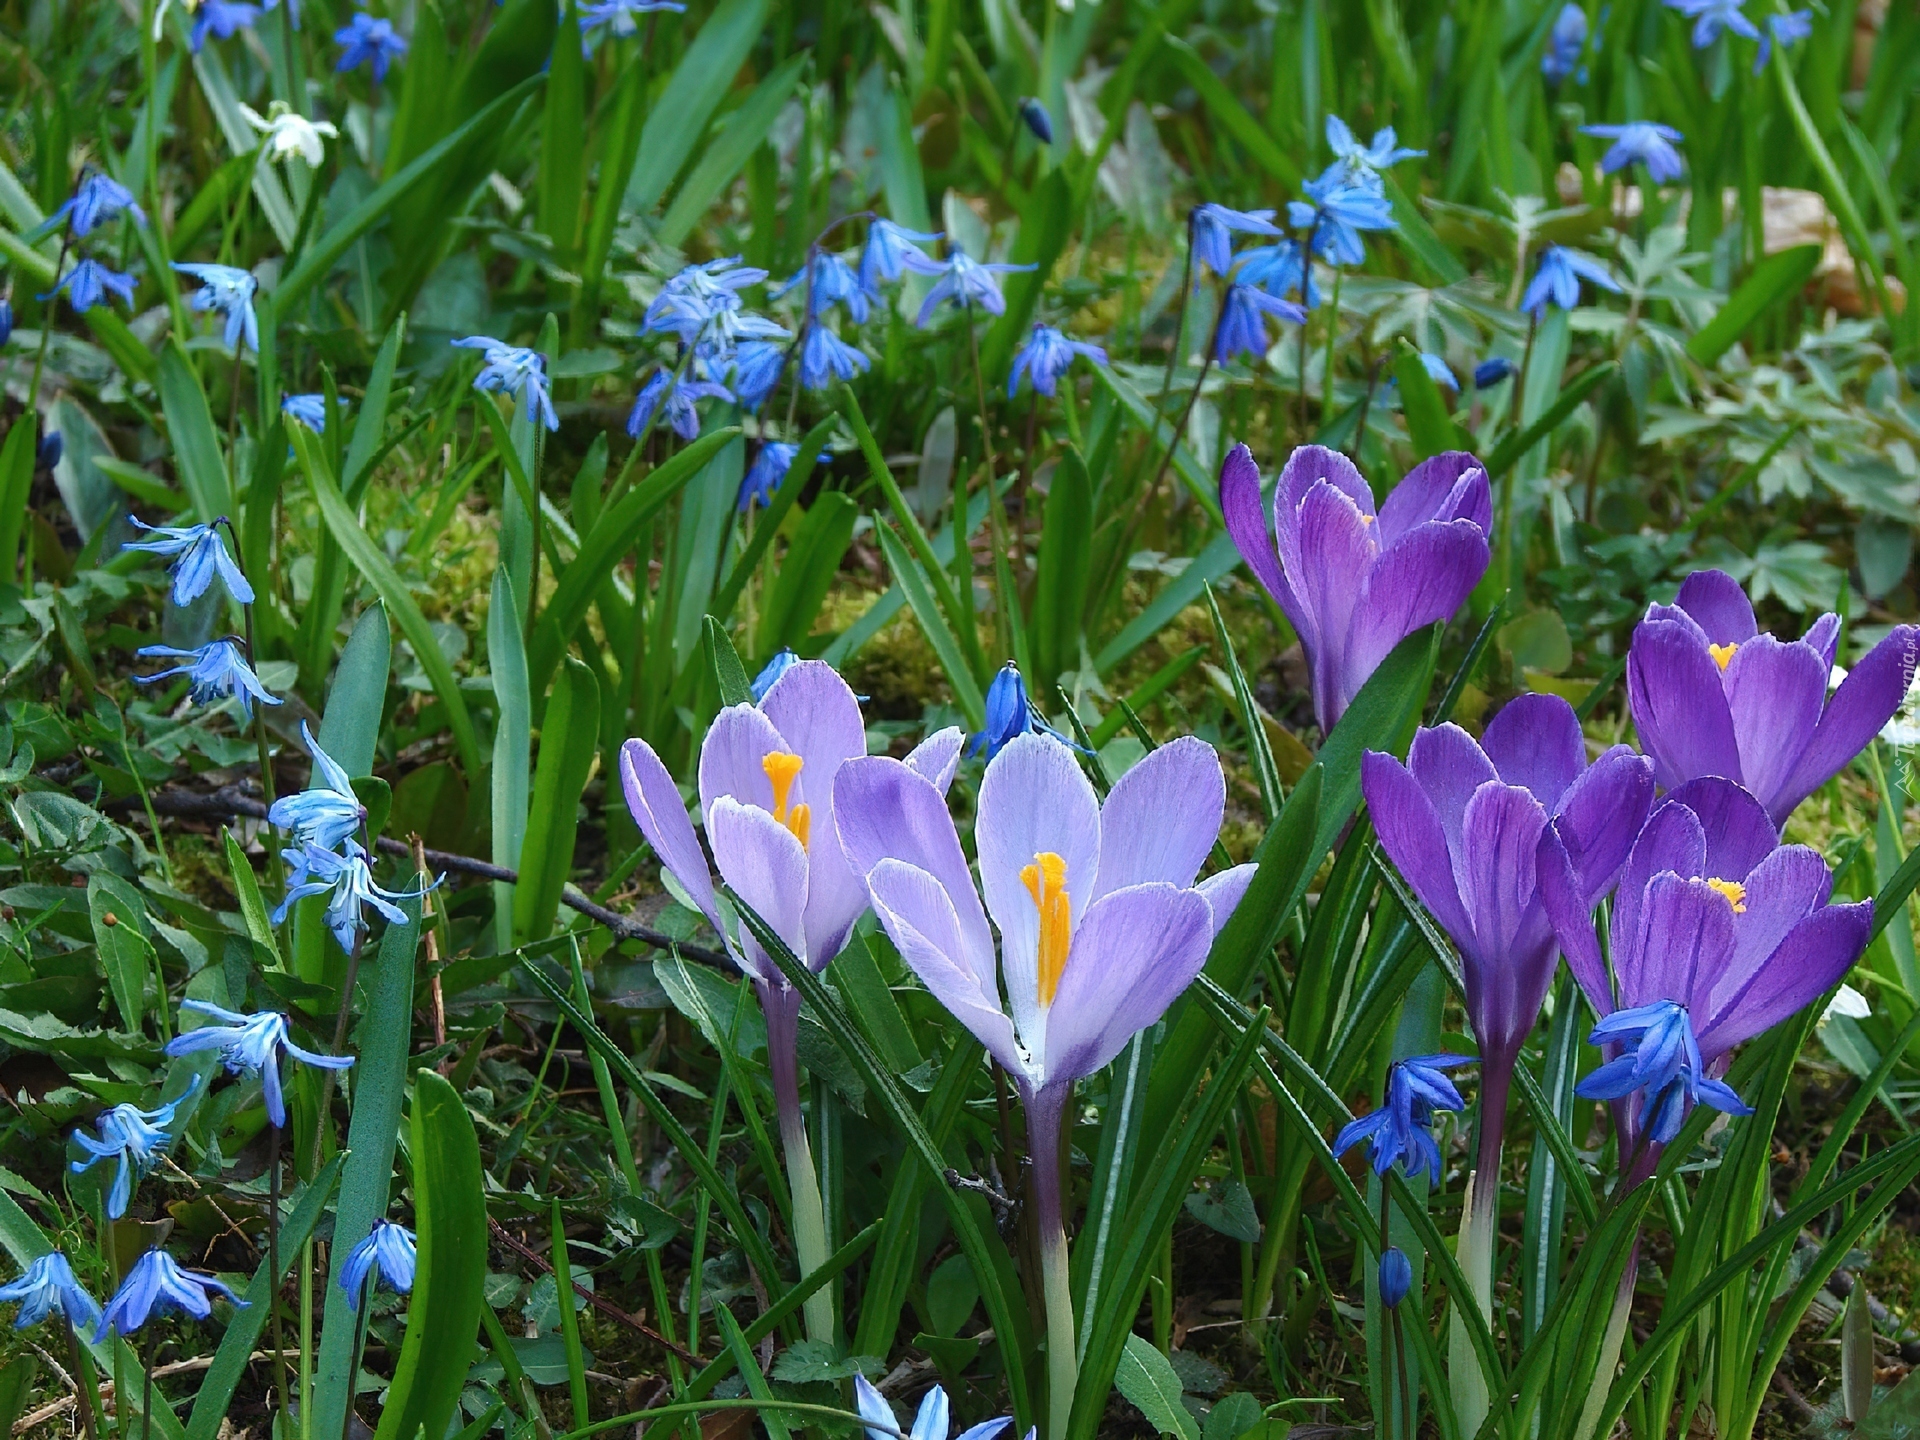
(1557, 281)
(891, 251)
(1354, 583)
(202, 555)
(389, 1253)
(89, 283)
(1242, 328)
(1010, 713)
(678, 396)
(156, 1285)
(1210, 230)
(1718, 933)
(1787, 29)
(250, 1044)
(967, 283)
(1564, 45)
(96, 200)
(1462, 821)
(1710, 17)
(217, 670)
(134, 1138)
(769, 471)
(830, 281)
(1641, 140)
(1711, 695)
(825, 358)
(367, 41)
(513, 370)
(222, 19)
(1045, 358)
(1401, 1129)
(756, 371)
(1282, 268)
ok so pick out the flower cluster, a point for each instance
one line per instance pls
(97, 200)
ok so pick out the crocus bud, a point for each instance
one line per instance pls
(47, 454)
(1037, 120)
(1396, 1277)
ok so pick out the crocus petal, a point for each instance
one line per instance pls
(1247, 523)
(1224, 892)
(1679, 706)
(732, 761)
(938, 756)
(1686, 932)
(1809, 962)
(1734, 825)
(918, 914)
(1824, 636)
(1306, 467)
(1535, 742)
(1571, 916)
(1672, 839)
(1450, 767)
(1134, 952)
(1448, 486)
(1330, 555)
(1781, 891)
(662, 817)
(1601, 815)
(1160, 820)
(1422, 578)
(1775, 693)
(1719, 606)
(1507, 969)
(1865, 701)
(766, 867)
(817, 715)
(1410, 830)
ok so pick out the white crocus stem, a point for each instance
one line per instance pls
(782, 1009)
(1045, 1109)
(1478, 1222)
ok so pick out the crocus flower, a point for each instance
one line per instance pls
(157, 1286)
(967, 283)
(327, 811)
(1354, 583)
(1365, 162)
(1242, 327)
(1557, 280)
(1282, 268)
(757, 366)
(830, 281)
(367, 41)
(202, 555)
(346, 879)
(769, 470)
(1009, 713)
(230, 292)
(1787, 29)
(1491, 372)
(892, 251)
(930, 1422)
(1718, 933)
(309, 410)
(619, 16)
(1036, 118)
(825, 358)
(388, 1253)
(1337, 210)
(1045, 358)
(1711, 695)
(218, 670)
(289, 133)
(1462, 820)
(47, 1285)
(89, 283)
(1211, 228)
(96, 200)
(132, 1137)
(1396, 1277)
(784, 660)
(1710, 17)
(222, 19)
(1400, 1131)
(1564, 44)
(516, 371)
(253, 1045)
(1641, 140)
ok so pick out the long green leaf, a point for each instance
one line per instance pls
(913, 582)
(16, 484)
(1234, 118)
(196, 445)
(510, 779)
(568, 744)
(721, 161)
(1429, 426)
(1508, 452)
(700, 83)
(1773, 279)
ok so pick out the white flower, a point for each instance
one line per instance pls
(290, 133)
(1903, 730)
(1849, 1002)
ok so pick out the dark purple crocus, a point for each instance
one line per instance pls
(1355, 582)
(1718, 933)
(1462, 821)
(1712, 695)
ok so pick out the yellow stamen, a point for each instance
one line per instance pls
(1046, 882)
(782, 768)
(1368, 519)
(1722, 654)
(1735, 892)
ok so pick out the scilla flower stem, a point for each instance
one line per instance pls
(1045, 1111)
(46, 326)
(273, 1266)
(89, 1395)
(1193, 397)
(782, 1009)
(359, 1348)
(1003, 612)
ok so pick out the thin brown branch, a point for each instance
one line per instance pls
(605, 1307)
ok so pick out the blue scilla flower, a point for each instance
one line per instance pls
(89, 283)
(95, 200)
(346, 879)
(892, 251)
(830, 281)
(202, 555)
(1010, 713)
(47, 1285)
(769, 471)
(931, 1421)
(514, 370)
(1045, 358)
(1401, 1129)
(1211, 228)
(367, 41)
(1283, 268)
(1491, 371)
(6, 320)
(230, 292)
(309, 410)
(1396, 1277)
(619, 16)
(1661, 1058)
(1710, 17)
(782, 662)
(47, 450)
(157, 1286)
(388, 1253)
(1641, 140)
(1036, 119)
(221, 19)
(1365, 162)
(133, 1138)
(967, 283)
(1787, 30)
(252, 1045)
(755, 372)
(1438, 370)
(1557, 281)
(1242, 327)
(1564, 45)
(696, 300)
(676, 398)
(327, 812)
(825, 358)
(218, 671)
(1334, 213)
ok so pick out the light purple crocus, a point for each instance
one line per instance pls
(1354, 582)
(1718, 932)
(1713, 695)
(1462, 820)
(1101, 925)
